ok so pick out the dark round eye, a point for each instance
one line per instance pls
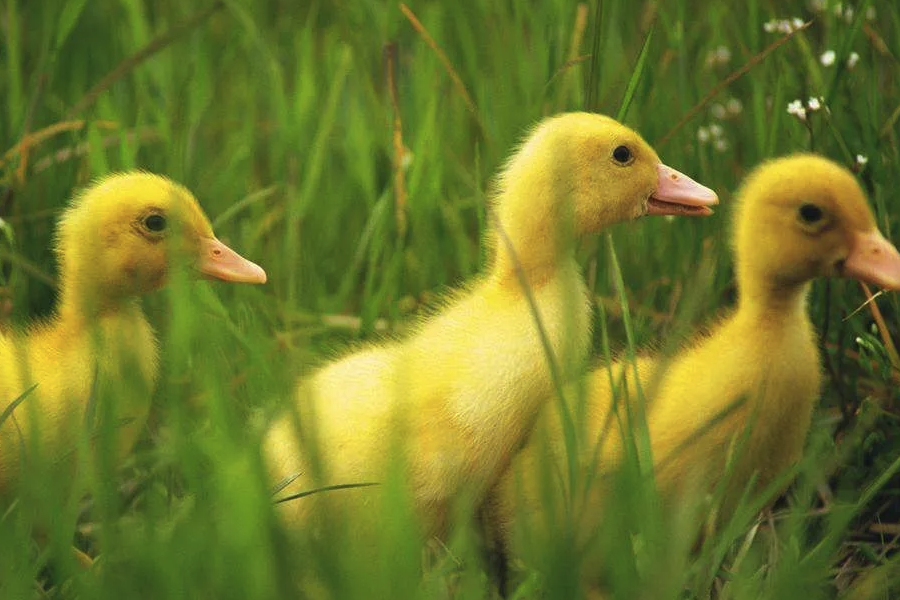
(810, 213)
(155, 223)
(622, 154)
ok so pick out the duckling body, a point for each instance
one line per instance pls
(455, 399)
(67, 362)
(739, 400)
(114, 244)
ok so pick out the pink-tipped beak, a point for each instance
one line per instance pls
(678, 194)
(874, 260)
(218, 261)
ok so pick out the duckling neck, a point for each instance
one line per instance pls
(83, 300)
(530, 241)
(773, 301)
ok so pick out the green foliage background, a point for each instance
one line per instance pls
(278, 115)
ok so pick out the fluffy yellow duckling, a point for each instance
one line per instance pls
(114, 243)
(797, 218)
(460, 394)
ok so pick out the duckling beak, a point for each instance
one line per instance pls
(874, 260)
(678, 194)
(218, 261)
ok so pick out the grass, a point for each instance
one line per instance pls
(282, 118)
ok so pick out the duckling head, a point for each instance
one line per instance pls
(583, 172)
(802, 217)
(119, 237)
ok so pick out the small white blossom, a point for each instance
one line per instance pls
(852, 60)
(717, 110)
(813, 104)
(844, 11)
(718, 56)
(827, 58)
(702, 135)
(406, 160)
(724, 54)
(716, 130)
(721, 144)
(2, 223)
(783, 25)
(859, 341)
(796, 108)
(862, 159)
(734, 106)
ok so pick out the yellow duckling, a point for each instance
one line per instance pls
(114, 243)
(455, 399)
(744, 394)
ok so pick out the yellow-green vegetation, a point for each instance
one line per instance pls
(348, 148)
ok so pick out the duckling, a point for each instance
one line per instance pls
(457, 397)
(114, 244)
(740, 399)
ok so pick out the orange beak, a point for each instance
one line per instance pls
(218, 261)
(874, 260)
(678, 194)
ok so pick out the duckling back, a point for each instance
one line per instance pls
(457, 390)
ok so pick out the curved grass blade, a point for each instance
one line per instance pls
(7, 412)
(327, 488)
(635, 77)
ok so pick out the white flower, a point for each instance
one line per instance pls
(717, 110)
(796, 108)
(734, 106)
(2, 223)
(715, 130)
(406, 159)
(852, 60)
(859, 341)
(723, 54)
(861, 159)
(721, 144)
(718, 56)
(702, 135)
(783, 25)
(846, 12)
(827, 58)
(813, 104)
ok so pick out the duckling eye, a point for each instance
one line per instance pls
(622, 155)
(810, 213)
(155, 223)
